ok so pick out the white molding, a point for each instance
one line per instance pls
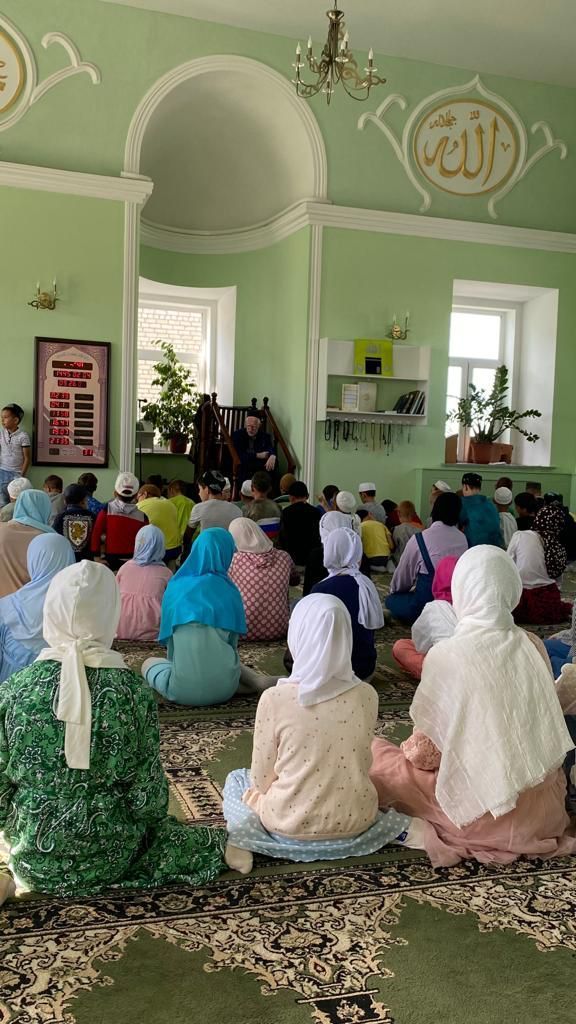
(129, 337)
(132, 189)
(314, 294)
(223, 64)
(325, 214)
(260, 236)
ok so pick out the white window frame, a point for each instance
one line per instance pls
(207, 357)
(508, 353)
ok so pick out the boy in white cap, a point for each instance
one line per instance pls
(503, 499)
(116, 526)
(14, 488)
(367, 492)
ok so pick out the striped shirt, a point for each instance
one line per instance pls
(11, 445)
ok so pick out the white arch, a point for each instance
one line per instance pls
(223, 63)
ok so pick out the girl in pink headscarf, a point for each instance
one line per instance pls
(437, 621)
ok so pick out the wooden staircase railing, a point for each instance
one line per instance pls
(215, 447)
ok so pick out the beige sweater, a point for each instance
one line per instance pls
(310, 765)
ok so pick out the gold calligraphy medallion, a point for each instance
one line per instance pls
(12, 72)
(466, 146)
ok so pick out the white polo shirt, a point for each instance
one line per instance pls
(11, 445)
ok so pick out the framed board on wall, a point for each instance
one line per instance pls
(71, 397)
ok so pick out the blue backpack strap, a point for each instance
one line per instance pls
(425, 555)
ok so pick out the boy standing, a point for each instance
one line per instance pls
(14, 449)
(503, 499)
(367, 492)
(479, 519)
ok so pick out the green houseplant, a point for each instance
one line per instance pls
(172, 414)
(487, 416)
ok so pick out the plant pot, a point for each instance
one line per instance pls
(483, 453)
(178, 444)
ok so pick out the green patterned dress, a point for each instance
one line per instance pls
(74, 832)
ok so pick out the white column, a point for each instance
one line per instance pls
(129, 335)
(314, 289)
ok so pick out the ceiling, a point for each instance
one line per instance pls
(530, 39)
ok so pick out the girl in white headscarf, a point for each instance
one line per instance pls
(315, 570)
(83, 798)
(308, 795)
(483, 766)
(342, 556)
(262, 574)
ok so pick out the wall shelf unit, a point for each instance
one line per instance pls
(411, 372)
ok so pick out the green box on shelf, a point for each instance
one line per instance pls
(373, 357)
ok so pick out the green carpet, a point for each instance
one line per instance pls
(383, 939)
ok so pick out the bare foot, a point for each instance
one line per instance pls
(238, 860)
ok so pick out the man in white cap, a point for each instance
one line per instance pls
(503, 498)
(367, 492)
(116, 525)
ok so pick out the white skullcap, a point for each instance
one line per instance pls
(246, 489)
(366, 487)
(441, 485)
(346, 502)
(127, 485)
(16, 486)
(503, 496)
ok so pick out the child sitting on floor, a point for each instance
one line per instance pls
(14, 488)
(436, 621)
(503, 499)
(307, 795)
(75, 522)
(53, 486)
(376, 541)
(408, 525)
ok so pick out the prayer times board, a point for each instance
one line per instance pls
(71, 403)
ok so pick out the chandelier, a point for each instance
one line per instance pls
(336, 64)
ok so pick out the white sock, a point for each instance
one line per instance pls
(238, 860)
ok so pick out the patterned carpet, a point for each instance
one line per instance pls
(382, 939)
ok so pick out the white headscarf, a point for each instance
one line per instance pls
(342, 557)
(335, 521)
(248, 536)
(81, 615)
(320, 641)
(486, 698)
(437, 621)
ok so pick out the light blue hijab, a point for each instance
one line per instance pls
(201, 591)
(34, 508)
(149, 546)
(22, 612)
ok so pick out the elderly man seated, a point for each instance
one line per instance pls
(255, 448)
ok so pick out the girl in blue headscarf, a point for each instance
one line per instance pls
(31, 514)
(21, 614)
(202, 618)
(142, 582)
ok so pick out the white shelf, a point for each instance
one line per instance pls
(386, 417)
(411, 366)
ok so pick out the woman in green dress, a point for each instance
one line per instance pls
(83, 797)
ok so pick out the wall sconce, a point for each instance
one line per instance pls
(397, 332)
(45, 300)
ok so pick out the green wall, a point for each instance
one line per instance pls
(80, 243)
(366, 277)
(82, 127)
(271, 319)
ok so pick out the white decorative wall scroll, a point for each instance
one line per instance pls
(464, 140)
(19, 86)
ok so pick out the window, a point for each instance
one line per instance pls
(478, 345)
(186, 327)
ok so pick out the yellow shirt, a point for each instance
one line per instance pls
(162, 513)
(183, 506)
(376, 539)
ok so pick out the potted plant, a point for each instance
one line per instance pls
(488, 417)
(173, 412)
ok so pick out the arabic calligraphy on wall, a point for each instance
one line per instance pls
(466, 141)
(12, 72)
(466, 148)
(19, 86)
